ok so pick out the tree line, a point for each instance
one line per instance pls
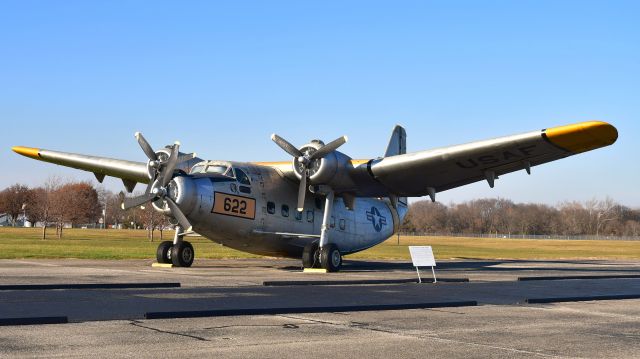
(61, 204)
(598, 217)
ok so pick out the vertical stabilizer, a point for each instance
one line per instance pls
(397, 143)
(398, 146)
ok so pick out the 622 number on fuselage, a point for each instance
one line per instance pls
(236, 206)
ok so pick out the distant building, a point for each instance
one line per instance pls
(5, 220)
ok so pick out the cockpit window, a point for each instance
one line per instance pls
(197, 169)
(220, 169)
(242, 177)
(216, 168)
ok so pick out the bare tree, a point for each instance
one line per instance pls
(114, 212)
(39, 209)
(606, 210)
(594, 217)
(150, 218)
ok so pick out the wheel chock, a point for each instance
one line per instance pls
(314, 270)
(162, 265)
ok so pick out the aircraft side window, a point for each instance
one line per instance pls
(285, 210)
(242, 177)
(343, 224)
(230, 173)
(298, 216)
(271, 207)
(333, 222)
(310, 216)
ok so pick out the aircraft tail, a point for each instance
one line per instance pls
(397, 142)
(398, 146)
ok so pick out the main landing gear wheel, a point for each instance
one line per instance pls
(163, 254)
(182, 254)
(330, 258)
(311, 255)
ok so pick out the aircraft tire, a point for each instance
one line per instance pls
(182, 254)
(330, 258)
(164, 252)
(310, 255)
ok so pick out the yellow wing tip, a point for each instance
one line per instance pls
(27, 151)
(583, 136)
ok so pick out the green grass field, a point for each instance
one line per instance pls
(134, 244)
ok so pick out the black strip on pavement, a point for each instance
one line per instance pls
(33, 321)
(583, 299)
(298, 310)
(88, 286)
(279, 283)
(606, 276)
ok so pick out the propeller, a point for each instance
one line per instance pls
(161, 167)
(307, 159)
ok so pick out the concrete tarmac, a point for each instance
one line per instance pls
(110, 322)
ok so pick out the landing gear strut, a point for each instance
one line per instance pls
(180, 253)
(323, 254)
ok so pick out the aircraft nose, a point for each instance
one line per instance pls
(183, 191)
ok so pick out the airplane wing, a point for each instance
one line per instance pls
(130, 172)
(426, 172)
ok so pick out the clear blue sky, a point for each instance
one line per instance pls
(83, 76)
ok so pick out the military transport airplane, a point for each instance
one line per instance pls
(322, 204)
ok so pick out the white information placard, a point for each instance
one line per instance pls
(422, 256)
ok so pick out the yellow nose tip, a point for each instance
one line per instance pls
(582, 137)
(27, 151)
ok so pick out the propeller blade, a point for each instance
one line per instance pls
(177, 214)
(286, 146)
(328, 148)
(137, 201)
(302, 191)
(126, 203)
(167, 172)
(146, 147)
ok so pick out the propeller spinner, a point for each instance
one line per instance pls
(307, 160)
(161, 167)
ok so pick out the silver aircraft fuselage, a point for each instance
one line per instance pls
(258, 215)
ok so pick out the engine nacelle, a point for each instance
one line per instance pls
(183, 191)
(331, 170)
